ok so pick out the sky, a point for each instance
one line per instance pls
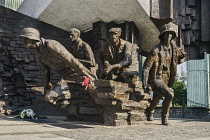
(182, 66)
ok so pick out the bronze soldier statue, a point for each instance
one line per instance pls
(80, 49)
(159, 71)
(114, 57)
(52, 55)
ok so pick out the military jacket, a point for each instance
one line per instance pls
(83, 51)
(120, 54)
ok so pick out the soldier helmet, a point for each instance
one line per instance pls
(30, 33)
(168, 28)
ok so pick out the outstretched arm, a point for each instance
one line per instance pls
(64, 55)
(181, 55)
(146, 69)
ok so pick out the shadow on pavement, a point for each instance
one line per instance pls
(55, 121)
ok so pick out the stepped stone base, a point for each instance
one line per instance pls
(120, 105)
(111, 102)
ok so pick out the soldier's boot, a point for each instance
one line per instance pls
(150, 111)
(164, 118)
(150, 115)
(165, 114)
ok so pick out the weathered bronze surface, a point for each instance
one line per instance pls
(67, 96)
(115, 59)
(52, 55)
(80, 49)
(118, 99)
(118, 91)
(160, 69)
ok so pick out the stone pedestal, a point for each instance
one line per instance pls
(119, 107)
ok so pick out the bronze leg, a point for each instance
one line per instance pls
(166, 106)
(150, 111)
(166, 92)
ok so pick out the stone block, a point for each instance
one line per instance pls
(105, 95)
(6, 74)
(119, 88)
(190, 11)
(27, 103)
(108, 95)
(105, 102)
(192, 38)
(88, 110)
(104, 89)
(137, 115)
(19, 59)
(109, 115)
(122, 96)
(13, 43)
(26, 53)
(102, 83)
(27, 60)
(39, 89)
(20, 90)
(11, 48)
(187, 20)
(187, 38)
(120, 123)
(20, 55)
(121, 116)
(137, 123)
(29, 67)
(191, 2)
(6, 42)
(195, 25)
(132, 105)
(72, 110)
(181, 10)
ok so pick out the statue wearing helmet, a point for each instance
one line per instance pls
(31, 33)
(159, 71)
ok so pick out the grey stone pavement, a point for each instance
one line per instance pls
(56, 128)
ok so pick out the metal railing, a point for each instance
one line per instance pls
(198, 110)
(193, 102)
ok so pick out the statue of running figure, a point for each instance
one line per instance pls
(159, 71)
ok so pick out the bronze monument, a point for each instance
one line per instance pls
(114, 56)
(115, 60)
(159, 71)
(52, 55)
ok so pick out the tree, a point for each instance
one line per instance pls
(180, 89)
